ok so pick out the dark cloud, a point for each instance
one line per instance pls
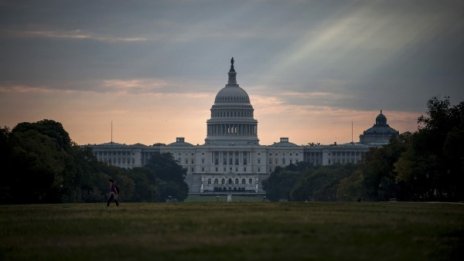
(367, 54)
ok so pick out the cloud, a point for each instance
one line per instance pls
(310, 67)
(122, 87)
(377, 52)
(12, 88)
(134, 85)
(74, 35)
(153, 86)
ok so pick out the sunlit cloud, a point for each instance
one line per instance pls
(151, 85)
(139, 85)
(75, 35)
(12, 88)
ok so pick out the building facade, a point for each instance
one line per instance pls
(231, 160)
(379, 134)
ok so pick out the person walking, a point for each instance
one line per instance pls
(113, 194)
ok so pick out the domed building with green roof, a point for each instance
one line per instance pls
(379, 134)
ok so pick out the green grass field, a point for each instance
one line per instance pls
(233, 231)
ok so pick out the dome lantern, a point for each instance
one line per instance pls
(232, 75)
(381, 120)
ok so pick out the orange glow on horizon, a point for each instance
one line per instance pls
(150, 118)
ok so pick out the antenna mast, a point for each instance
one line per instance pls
(352, 131)
(111, 131)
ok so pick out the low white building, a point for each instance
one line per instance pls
(350, 153)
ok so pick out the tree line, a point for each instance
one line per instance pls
(424, 165)
(41, 164)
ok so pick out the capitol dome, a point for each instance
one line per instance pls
(232, 93)
(232, 121)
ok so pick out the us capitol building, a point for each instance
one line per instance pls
(232, 160)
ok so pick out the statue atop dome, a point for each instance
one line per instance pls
(232, 74)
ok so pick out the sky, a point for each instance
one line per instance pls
(153, 68)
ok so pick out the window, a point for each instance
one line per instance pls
(243, 181)
(250, 181)
(215, 181)
(209, 181)
(236, 181)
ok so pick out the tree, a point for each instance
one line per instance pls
(432, 167)
(50, 128)
(305, 182)
(280, 183)
(144, 186)
(351, 188)
(38, 156)
(5, 165)
(40, 163)
(321, 183)
(167, 176)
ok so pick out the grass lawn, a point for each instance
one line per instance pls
(233, 231)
